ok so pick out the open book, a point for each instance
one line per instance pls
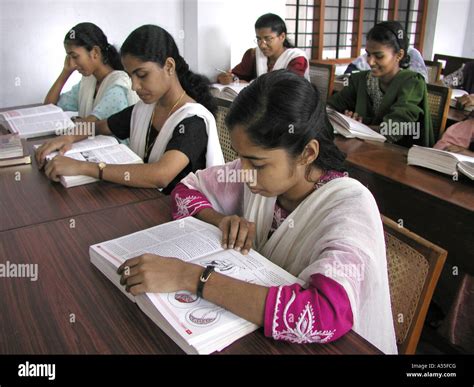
(228, 92)
(195, 324)
(95, 150)
(442, 161)
(351, 128)
(36, 121)
(456, 93)
(13, 151)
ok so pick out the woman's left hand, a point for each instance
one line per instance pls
(155, 274)
(63, 166)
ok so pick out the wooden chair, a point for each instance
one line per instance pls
(322, 76)
(434, 70)
(223, 107)
(414, 266)
(439, 98)
(451, 63)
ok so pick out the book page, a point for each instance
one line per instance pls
(184, 240)
(115, 154)
(86, 145)
(28, 112)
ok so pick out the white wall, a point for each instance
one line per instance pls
(454, 33)
(32, 33)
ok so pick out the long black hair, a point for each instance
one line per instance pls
(88, 35)
(391, 33)
(276, 24)
(283, 110)
(151, 43)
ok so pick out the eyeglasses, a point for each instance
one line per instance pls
(267, 40)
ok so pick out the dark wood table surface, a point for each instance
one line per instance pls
(28, 197)
(431, 204)
(36, 316)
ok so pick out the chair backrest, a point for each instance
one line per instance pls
(223, 107)
(322, 76)
(414, 266)
(439, 98)
(434, 70)
(451, 63)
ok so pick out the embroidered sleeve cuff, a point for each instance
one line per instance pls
(187, 202)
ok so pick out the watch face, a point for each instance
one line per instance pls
(101, 165)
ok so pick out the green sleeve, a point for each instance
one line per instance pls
(408, 104)
(408, 107)
(345, 99)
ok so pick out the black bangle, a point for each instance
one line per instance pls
(203, 279)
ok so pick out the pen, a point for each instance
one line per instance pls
(221, 71)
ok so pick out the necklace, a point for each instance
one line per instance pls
(149, 146)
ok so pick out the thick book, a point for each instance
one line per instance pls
(36, 121)
(195, 325)
(100, 148)
(228, 92)
(350, 128)
(13, 151)
(442, 161)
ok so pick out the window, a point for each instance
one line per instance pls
(337, 29)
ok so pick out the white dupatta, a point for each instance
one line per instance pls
(141, 116)
(335, 231)
(282, 62)
(87, 102)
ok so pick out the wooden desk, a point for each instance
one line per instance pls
(431, 204)
(35, 199)
(35, 316)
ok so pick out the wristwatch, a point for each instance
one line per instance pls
(101, 166)
(203, 279)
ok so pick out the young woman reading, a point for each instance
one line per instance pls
(104, 89)
(388, 98)
(300, 211)
(273, 52)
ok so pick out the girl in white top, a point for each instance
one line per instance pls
(104, 89)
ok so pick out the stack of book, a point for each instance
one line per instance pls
(13, 151)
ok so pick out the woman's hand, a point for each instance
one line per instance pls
(466, 100)
(155, 274)
(458, 149)
(353, 115)
(225, 79)
(237, 233)
(63, 166)
(61, 144)
(69, 65)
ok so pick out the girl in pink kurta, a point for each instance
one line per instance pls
(298, 209)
